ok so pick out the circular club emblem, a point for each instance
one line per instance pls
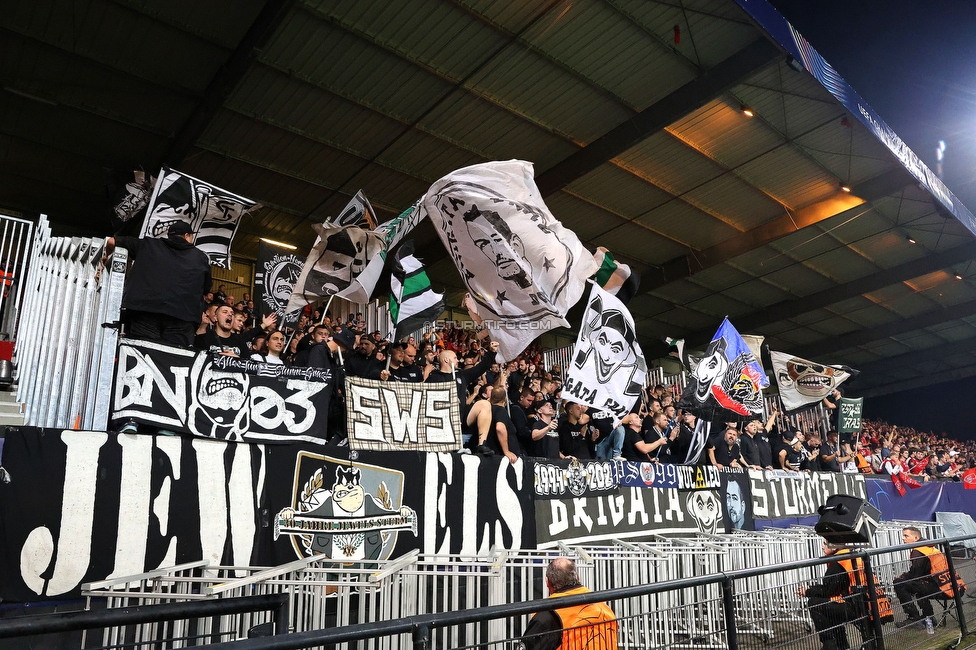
(647, 473)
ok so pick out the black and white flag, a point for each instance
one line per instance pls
(412, 301)
(213, 213)
(803, 382)
(608, 367)
(358, 212)
(522, 267)
(274, 278)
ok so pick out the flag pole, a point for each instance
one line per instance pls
(326, 309)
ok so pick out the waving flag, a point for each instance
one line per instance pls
(412, 301)
(615, 277)
(803, 382)
(523, 269)
(608, 367)
(358, 212)
(347, 261)
(728, 377)
(275, 274)
(213, 213)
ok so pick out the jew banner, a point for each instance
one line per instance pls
(83, 505)
(402, 416)
(803, 382)
(275, 275)
(523, 269)
(849, 420)
(182, 390)
(727, 377)
(213, 213)
(608, 368)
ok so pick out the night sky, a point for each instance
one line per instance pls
(913, 62)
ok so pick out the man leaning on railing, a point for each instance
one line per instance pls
(580, 627)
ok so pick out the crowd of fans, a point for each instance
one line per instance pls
(515, 408)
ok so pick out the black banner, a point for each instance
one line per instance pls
(275, 274)
(180, 390)
(565, 478)
(390, 503)
(84, 505)
(737, 496)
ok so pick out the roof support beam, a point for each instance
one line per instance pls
(686, 265)
(860, 337)
(687, 98)
(792, 308)
(909, 359)
(919, 382)
(227, 78)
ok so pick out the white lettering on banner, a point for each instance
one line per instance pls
(481, 528)
(616, 503)
(438, 414)
(560, 518)
(135, 531)
(760, 497)
(366, 402)
(637, 507)
(75, 536)
(135, 384)
(580, 518)
(403, 422)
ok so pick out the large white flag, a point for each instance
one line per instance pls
(523, 269)
(803, 382)
(608, 367)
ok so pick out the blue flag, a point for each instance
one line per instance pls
(728, 376)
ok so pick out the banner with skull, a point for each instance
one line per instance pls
(275, 275)
(608, 368)
(184, 391)
(212, 212)
(803, 382)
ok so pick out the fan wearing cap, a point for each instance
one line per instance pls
(163, 296)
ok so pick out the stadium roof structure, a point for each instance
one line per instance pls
(634, 113)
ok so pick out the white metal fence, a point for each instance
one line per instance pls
(64, 356)
(326, 594)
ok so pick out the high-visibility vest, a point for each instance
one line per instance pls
(595, 624)
(857, 582)
(863, 466)
(939, 570)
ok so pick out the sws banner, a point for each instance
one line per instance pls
(382, 505)
(778, 495)
(85, 505)
(187, 391)
(402, 416)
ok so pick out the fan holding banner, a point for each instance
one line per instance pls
(727, 377)
(803, 382)
(608, 368)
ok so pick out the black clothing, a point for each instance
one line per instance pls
(574, 439)
(917, 587)
(548, 445)
(405, 372)
(828, 615)
(358, 364)
(749, 449)
(209, 341)
(500, 416)
(764, 449)
(826, 449)
(629, 449)
(522, 427)
(464, 378)
(723, 454)
(150, 326)
(170, 276)
(602, 421)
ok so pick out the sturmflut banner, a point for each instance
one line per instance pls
(402, 416)
(220, 397)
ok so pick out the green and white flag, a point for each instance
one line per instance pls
(614, 277)
(412, 301)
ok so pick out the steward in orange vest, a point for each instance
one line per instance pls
(580, 627)
(839, 599)
(928, 578)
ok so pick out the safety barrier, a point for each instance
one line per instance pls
(65, 353)
(16, 242)
(764, 604)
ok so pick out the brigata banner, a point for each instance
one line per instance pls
(568, 477)
(402, 416)
(223, 398)
(849, 420)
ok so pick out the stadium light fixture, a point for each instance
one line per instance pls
(279, 243)
(748, 112)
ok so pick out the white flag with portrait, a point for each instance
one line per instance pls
(803, 382)
(608, 368)
(523, 269)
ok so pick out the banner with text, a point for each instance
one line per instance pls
(223, 398)
(849, 419)
(568, 477)
(777, 494)
(402, 416)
